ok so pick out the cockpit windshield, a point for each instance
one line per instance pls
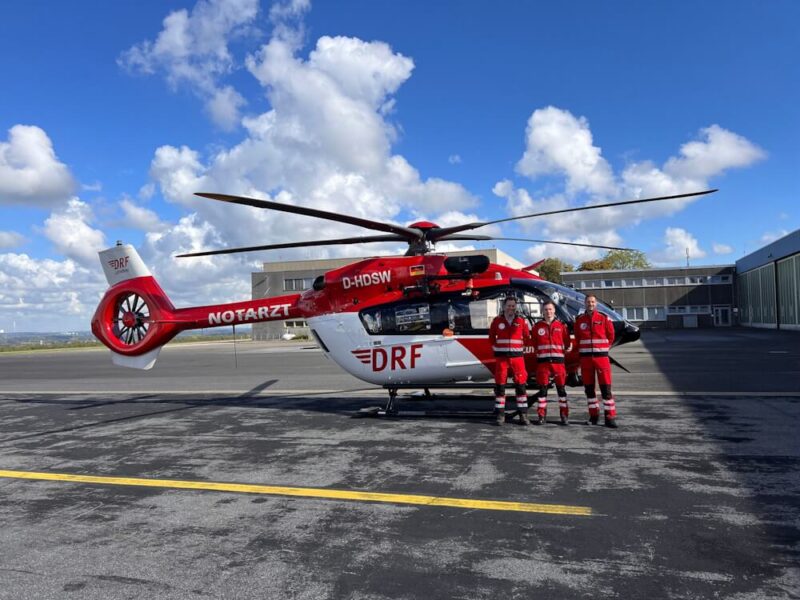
(570, 301)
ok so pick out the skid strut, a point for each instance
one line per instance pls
(392, 406)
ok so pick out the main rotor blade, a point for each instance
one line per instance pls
(407, 233)
(563, 243)
(469, 236)
(437, 234)
(353, 240)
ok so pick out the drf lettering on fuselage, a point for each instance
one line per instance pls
(365, 279)
(393, 358)
(242, 315)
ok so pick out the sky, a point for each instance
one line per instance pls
(112, 114)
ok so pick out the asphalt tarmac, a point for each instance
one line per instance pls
(117, 484)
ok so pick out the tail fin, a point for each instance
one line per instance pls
(122, 262)
(135, 317)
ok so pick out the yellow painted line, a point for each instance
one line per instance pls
(553, 509)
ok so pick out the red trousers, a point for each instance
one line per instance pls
(559, 372)
(517, 366)
(545, 370)
(600, 367)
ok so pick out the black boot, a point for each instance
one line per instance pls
(611, 422)
(564, 420)
(593, 420)
(523, 417)
(500, 417)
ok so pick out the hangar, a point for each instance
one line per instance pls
(768, 282)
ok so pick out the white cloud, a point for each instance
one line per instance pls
(10, 239)
(139, 217)
(92, 187)
(325, 143)
(721, 249)
(720, 150)
(677, 242)
(282, 11)
(559, 143)
(192, 50)
(454, 159)
(575, 254)
(73, 237)
(770, 236)
(47, 295)
(146, 191)
(30, 172)
(223, 107)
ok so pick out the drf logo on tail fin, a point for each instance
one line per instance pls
(118, 263)
(394, 358)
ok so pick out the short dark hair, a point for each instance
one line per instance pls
(546, 302)
(507, 299)
(591, 295)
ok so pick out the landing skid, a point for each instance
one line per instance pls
(392, 407)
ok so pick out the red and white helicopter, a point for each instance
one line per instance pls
(416, 320)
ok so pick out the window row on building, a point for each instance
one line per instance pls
(294, 324)
(590, 284)
(643, 313)
(298, 285)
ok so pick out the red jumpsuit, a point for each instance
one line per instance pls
(551, 342)
(594, 334)
(508, 341)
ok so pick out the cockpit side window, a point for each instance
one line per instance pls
(569, 302)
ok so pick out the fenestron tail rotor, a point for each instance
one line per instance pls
(131, 319)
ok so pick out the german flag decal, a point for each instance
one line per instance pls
(416, 270)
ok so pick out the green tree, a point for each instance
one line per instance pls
(552, 268)
(617, 260)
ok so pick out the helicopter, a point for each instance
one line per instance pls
(421, 319)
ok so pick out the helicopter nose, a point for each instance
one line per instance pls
(630, 333)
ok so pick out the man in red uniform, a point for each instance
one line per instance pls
(594, 334)
(551, 340)
(508, 335)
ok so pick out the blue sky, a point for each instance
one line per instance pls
(112, 113)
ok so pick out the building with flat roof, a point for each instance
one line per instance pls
(673, 297)
(768, 283)
(278, 278)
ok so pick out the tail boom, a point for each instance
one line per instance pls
(135, 318)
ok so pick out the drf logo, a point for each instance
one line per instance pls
(393, 358)
(118, 263)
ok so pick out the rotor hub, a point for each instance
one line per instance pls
(129, 319)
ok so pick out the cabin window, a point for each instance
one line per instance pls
(414, 318)
(406, 318)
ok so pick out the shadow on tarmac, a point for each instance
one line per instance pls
(753, 435)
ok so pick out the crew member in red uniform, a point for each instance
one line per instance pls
(551, 340)
(508, 335)
(594, 334)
